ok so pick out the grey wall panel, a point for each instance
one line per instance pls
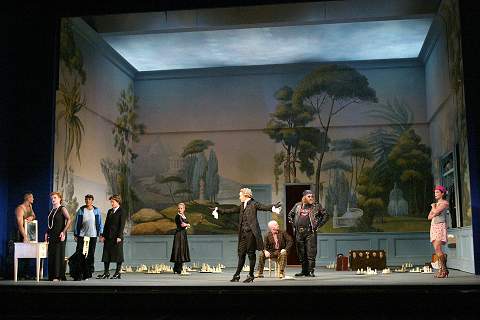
(406, 248)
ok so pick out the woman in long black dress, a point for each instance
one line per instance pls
(180, 252)
(56, 236)
(112, 237)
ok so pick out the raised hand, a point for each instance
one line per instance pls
(215, 213)
(276, 209)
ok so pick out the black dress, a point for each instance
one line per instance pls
(113, 229)
(180, 252)
(56, 248)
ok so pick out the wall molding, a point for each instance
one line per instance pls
(275, 69)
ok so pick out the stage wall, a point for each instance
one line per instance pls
(199, 135)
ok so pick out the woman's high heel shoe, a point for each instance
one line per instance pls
(235, 278)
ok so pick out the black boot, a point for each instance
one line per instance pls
(311, 269)
(241, 262)
(116, 275)
(304, 271)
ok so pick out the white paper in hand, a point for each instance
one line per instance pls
(276, 210)
(215, 213)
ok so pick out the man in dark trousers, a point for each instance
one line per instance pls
(306, 217)
(277, 245)
(249, 234)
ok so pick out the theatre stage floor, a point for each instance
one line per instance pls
(331, 294)
(324, 277)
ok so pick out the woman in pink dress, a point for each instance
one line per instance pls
(438, 229)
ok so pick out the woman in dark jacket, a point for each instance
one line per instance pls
(180, 252)
(112, 237)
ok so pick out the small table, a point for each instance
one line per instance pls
(36, 250)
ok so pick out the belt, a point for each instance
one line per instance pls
(304, 229)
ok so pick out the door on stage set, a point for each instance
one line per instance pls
(293, 194)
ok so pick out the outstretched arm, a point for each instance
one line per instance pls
(267, 207)
(235, 209)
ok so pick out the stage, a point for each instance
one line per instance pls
(212, 295)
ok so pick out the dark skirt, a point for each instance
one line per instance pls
(180, 252)
(112, 251)
(56, 260)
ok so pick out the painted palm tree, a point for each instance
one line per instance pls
(398, 115)
(72, 101)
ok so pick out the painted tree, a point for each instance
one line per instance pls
(411, 159)
(284, 127)
(172, 183)
(212, 177)
(338, 192)
(358, 152)
(278, 160)
(370, 200)
(193, 173)
(126, 132)
(334, 167)
(199, 176)
(70, 55)
(327, 91)
(71, 102)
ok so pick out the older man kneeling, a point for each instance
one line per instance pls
(277, 244)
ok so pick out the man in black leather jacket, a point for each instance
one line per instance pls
(306, 217)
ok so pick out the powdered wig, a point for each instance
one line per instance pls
(247, 192)
(271, 224)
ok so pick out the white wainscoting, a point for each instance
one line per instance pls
(399, 247)
(461, 256)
